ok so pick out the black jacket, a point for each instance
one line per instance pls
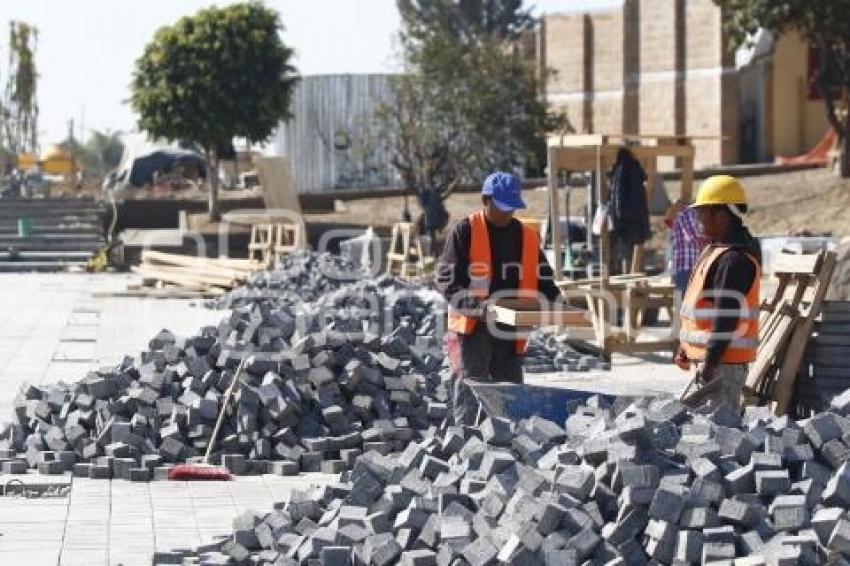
(733, 271)
(506, 256)
(628, 203)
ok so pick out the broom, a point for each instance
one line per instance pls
(204, 470)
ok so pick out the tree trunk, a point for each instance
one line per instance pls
(843, 168)
(212, 185)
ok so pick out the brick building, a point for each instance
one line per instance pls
(664, 67)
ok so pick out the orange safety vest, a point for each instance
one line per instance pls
(481, 267)
(698, 314)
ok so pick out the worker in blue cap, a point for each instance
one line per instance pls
(490, 253)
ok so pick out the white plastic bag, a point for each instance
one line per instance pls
(602, 218)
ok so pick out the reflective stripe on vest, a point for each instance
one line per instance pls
(481, 267)
(698, 313)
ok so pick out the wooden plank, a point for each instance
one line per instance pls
(770, 349)
(524, 314)
(204, 275)
(784, 390)
(234, 268)
(644, 347)
(687, 183)
(187, 260)
(605, 235)
(154, 293)
(555, 217)
(807, 264)
(575, 140)
(169, 277)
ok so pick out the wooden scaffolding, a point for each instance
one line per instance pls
(633, 293)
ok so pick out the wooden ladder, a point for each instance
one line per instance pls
(287, 239)
(785, 325)
(262, 242)
(405, 257)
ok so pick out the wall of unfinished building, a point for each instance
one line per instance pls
(647, 66)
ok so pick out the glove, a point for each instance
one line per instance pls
(681, 360)
(472, 307)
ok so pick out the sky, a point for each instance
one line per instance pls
(86, 49)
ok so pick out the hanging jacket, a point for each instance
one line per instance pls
(629, 206)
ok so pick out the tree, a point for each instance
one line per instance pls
(219, 74)
(19, 113)
(101, 152)
(467, 103)
(106, 148)
(465, 21)
(824, 24)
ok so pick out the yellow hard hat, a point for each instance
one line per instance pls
(720, 189)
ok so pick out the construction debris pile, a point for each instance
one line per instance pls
(546, 352)
(334, 368)
(640, 481)
(298, 278)
(321, 385)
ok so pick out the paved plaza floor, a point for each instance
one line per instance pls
(53, 329)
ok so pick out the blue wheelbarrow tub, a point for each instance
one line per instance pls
(520, 401)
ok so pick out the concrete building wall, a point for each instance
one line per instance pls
(798, 123)
(754, 112)
(650, 66)
(658, 74)
(664, 67)
(565, 52)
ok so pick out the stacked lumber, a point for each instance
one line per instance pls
(825, 372)
(786, 322)
(180, 276)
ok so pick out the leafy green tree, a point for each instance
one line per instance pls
(823, 23)
(468, 101)
(106, 147)
(465, 20)
(219, 74)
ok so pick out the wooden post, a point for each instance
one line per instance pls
(687, 190)
(554, 212)
(604, 236)
(604, 250)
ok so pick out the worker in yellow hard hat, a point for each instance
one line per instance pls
(720, 308)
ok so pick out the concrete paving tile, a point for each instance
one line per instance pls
(127, 559)
(84, 557)
(28, 557)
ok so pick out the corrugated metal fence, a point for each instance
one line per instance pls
(331, 140)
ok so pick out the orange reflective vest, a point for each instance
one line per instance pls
(698, 314)
(481, 268)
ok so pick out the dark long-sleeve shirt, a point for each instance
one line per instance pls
(734, 271)
(506, 258)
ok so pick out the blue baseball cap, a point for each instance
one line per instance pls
(505, 189)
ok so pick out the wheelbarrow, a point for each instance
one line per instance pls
(516, 401)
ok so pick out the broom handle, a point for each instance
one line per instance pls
(227, 395)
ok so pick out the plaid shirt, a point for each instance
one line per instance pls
(686, 241)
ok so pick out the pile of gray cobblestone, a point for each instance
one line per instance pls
(641, 481)
(298, 278)
(323, 382)
(547, 352)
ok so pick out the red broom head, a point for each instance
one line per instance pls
(194, 472)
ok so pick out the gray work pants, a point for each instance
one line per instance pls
(483, 358)
(726, 387)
